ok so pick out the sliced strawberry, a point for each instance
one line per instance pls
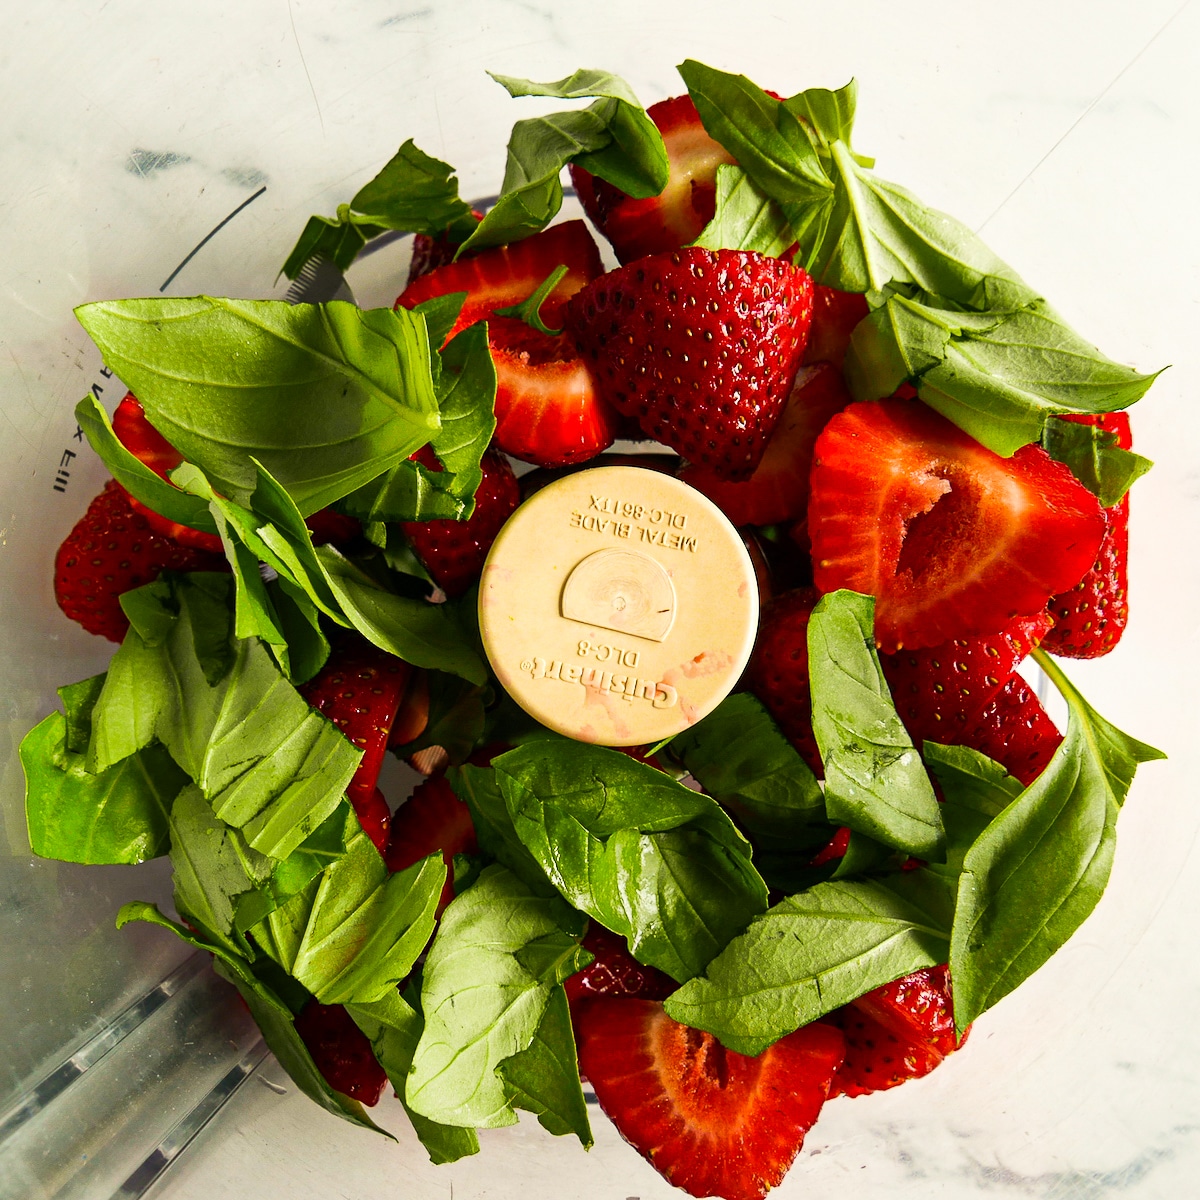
(547, 408)
(113, 549)
(835, 848)
(453, 551)
(952, 540)
(615, 972)
(1091, 617)
(507, 275)
(895, 1033)
(374, 816)
(710, 1121)
(701, 346)
(778, 489)
(359, 689)
(341, 1052)
(835, 314)
(778, 673)
(429, 253)
(938, 690)
(1013, 729)
(432, 818)
(327, 526)
(678, 214)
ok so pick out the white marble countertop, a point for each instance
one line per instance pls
(1068, 133)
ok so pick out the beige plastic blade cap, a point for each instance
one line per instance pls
(618, 606)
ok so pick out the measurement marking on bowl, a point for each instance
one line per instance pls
(209, 236)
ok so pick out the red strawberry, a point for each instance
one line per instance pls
(429, 253)
(341, 1052)
(615, 972)
(432, 818)
(112, 550)
(836, 847)
(835, 314)
(778, 489)
(1013, 729)
(507, 275)
(1090, 618)
(327, 525)
(453, 551)
(938, 690)
(710, 1121)
(952, 540)
(778, 673)
(359, 689)
(897, 1032)
(374, 816)
(547, 411)
(145, 443)
(680, 212)
(701, 346)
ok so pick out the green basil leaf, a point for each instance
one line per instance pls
(481, 1004)
(874, 779)
(269, 764)
(810, 954)
(323, 847)
(413, 192)
(338, 240)
(212, 868)
(544, 1077)
(746, 218)
(880, 235)
(612, 138)
(1094, 458)
(272, 1015)
(134, 476)
(766, 138)
(424, 634)
(466, 392)
(1038, 869)
(529, 310)
(79, 700)
(976, 789)
(648, 858)
(326, 396)
(738, 756)
(479, 789)
(298, 620)
(118, 815)
(996, 375)
(356, 931)
(830, 115)
(394, 1028)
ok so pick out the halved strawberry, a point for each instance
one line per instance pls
(547, 410)
(432, 818)
(1090, 618)
(1013, 728)
(507, 275)
(413, 714)
(615, 972)
(113, 549)
(938, 690)
(359, 689)
(835, 314)
(952, 540)
(453, 551)
(678, 214)
(778, 489)
(897, 1032)
(710, 1121)
(778, 672)
(341, 1052)
(701, 346)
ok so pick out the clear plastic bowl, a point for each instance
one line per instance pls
(126, 1067)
